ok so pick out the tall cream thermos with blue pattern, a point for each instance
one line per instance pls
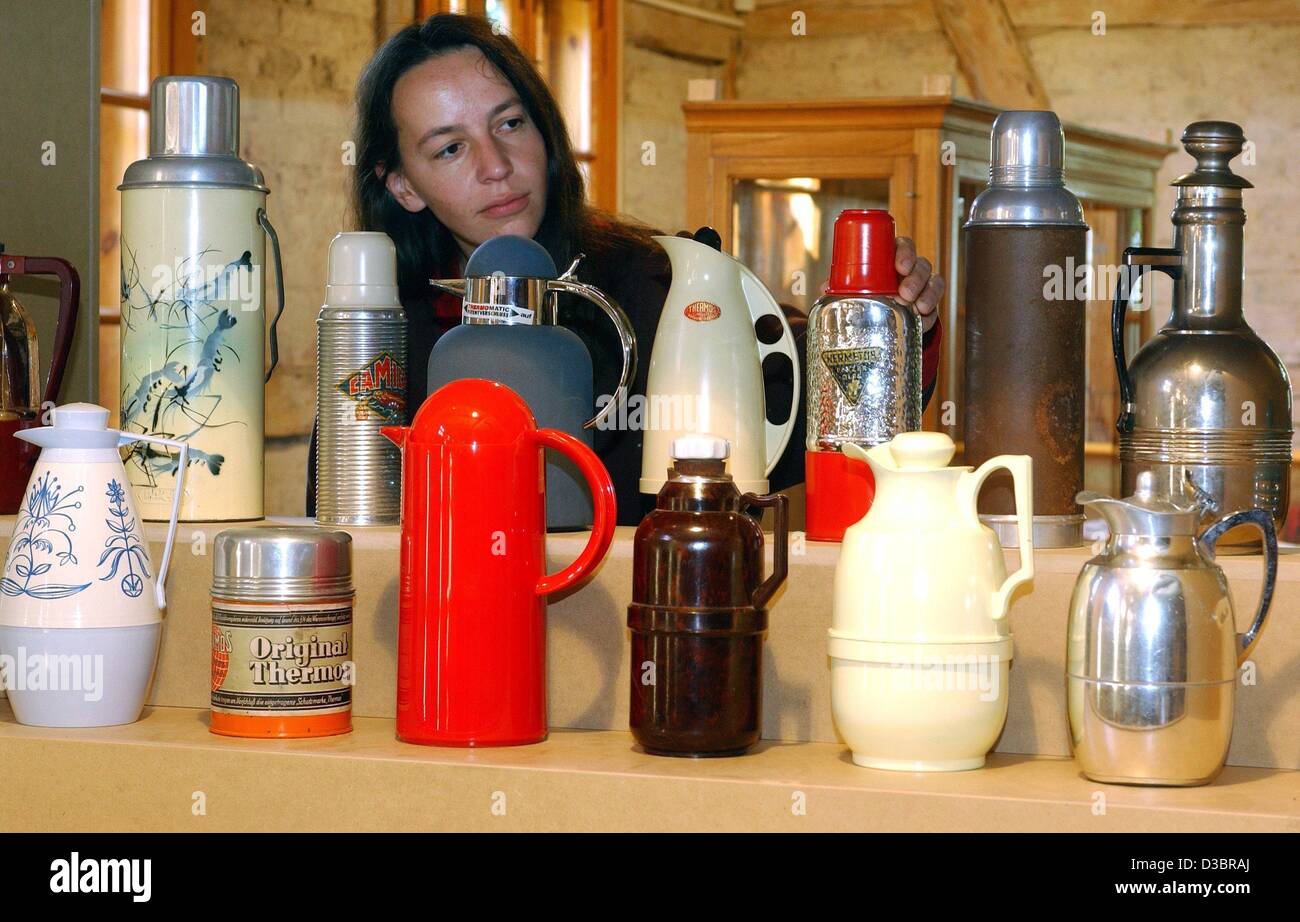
(193, 245)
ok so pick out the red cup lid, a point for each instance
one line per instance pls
(862, 256)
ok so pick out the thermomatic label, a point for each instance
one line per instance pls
(495, 313)
(290, 660)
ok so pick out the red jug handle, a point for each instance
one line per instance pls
(69, 300)
(604, 507)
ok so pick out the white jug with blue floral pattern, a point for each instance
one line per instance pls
(80, 599)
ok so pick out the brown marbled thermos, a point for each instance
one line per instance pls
(699, 608)
(1025, 372)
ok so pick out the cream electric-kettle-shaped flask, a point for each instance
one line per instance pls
(706, 368)
(920, 645)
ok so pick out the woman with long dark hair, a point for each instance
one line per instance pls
(458, 141)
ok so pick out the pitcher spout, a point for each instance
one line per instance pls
(396, 434)
(453, 286)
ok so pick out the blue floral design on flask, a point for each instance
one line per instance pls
(43, 530)
(123, 544)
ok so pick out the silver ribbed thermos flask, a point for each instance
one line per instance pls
(360, 384)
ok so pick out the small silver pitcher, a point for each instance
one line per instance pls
(1152, 650)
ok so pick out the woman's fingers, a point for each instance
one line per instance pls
(928, 304)
(904, 255)
(913, 284)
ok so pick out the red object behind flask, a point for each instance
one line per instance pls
(838, 494)
(862, 254)
(471, 642)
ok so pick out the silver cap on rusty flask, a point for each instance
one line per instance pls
(1026, 174)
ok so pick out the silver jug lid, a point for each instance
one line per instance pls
(1026, 184)
(1213, 144)
(1148, 512)
(282, 563)
(193, 137)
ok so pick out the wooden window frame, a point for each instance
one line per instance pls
(173, 49)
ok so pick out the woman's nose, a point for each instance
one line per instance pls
(494, 163)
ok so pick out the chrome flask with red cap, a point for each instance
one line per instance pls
(864, 369)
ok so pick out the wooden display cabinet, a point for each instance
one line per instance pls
(771, 176)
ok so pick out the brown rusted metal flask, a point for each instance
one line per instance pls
(1026, 380)
(699, 608)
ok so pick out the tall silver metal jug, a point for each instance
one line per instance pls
(1206, 399)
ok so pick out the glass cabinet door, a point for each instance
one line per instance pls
(782, 228)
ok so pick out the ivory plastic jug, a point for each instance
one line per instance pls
(706, 368)
(919, 642)
(80, 601)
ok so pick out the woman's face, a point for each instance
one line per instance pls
(470, 152)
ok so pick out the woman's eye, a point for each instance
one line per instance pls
(449, 151)
(513, 123)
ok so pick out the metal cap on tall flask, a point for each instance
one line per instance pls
(1026, 170)
(193, 136)
(282, 564)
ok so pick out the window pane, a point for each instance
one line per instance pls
(123, 135)
(783, 226)
(568, 65)
(124, 46)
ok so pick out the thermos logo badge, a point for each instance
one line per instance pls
(849, 367)
(378, 387)
(702, 311)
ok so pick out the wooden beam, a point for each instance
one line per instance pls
(1077, 14)
(990, 54)
(677, 36)
(841, 17)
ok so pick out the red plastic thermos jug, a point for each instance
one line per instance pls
(471, 640)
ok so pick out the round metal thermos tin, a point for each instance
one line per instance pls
(282, 632)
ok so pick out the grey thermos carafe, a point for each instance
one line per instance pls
(1025, 329)
(1205, 401)
(360, 384)
(510, 333)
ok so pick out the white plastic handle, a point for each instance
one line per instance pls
(1022, 475)
(126, 438)
(761, 304)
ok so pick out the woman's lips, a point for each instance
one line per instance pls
(508, 207)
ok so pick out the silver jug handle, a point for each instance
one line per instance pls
(263, 220)
(625, 336)
(1264, 522)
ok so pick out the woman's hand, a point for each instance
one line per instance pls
(920, 285)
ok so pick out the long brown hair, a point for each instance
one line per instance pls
(424, 245)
